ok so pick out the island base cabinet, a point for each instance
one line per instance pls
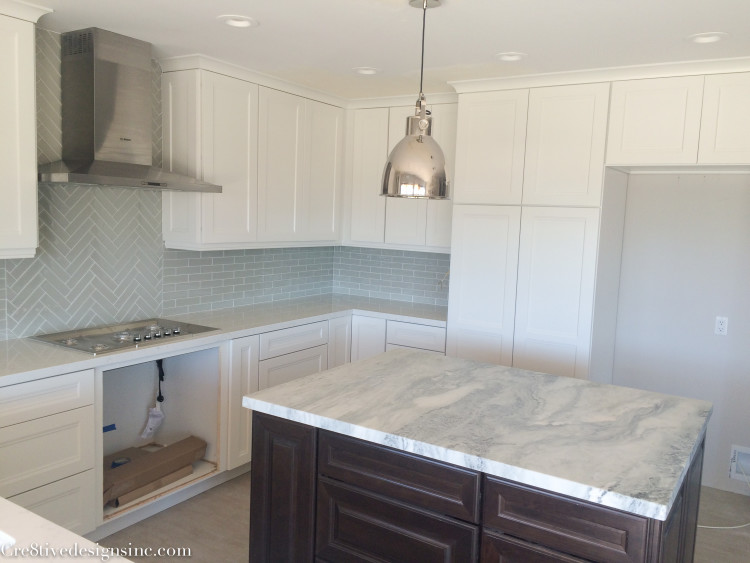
(282, 485)
(499, 548)
(357, 526)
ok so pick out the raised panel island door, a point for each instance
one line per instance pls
(554, 302)
(725, 121)
(282, 490)
(481, 301)
(369, 153)
(565, 136)
(18, 175)
(230, 149)
(655, 121)
(490, 144)
(280, 156)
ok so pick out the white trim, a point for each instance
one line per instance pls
(23, 10)
(203, 62)
(660, 70)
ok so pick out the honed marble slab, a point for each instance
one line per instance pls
(619, 447)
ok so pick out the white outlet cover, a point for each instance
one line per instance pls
(739, 463)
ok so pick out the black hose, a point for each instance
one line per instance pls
(160, 397)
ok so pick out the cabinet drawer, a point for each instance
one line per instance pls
(356, 526)
(292, 339)
(70, 503)
(571, 526)
(416, 336)
(281, 369)
(43, 397)
(499, 548)
(47, 449)
(425, 483)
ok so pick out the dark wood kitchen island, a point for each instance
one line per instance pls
(410, 456)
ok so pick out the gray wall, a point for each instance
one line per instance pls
(101, 258)
(686, 260)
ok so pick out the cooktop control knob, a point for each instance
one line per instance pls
(167, 332)
(157, 334)
(147, 336)
(137, 338)
(176, 330)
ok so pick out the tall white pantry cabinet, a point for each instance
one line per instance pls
(18, 175)
(525, 240)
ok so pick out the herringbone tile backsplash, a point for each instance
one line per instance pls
(101, 258)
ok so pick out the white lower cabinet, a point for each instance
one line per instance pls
(47, 448)
(368, 337)
(289, 367)
(243, 380)
(68, 502)
(339, 341)
(411, 335)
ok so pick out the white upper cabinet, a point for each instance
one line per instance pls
(210, 124)
(655, 121)
(555, 294)
(422, 222)
(725, 120)
(18, 174)
(369, 153)
(490, 144)
(280, 164)
(565, 142)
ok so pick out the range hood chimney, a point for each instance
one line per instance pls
(106, 116)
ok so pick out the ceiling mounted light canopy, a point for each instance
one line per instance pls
(416, 166)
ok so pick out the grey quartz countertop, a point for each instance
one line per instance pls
(24, 359)
(619, 447)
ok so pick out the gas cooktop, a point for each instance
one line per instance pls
(115, 338)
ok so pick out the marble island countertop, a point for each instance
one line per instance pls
(619, 447)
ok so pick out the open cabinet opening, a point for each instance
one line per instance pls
(182, 446)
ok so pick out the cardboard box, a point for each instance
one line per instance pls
(152, 486)
(146, 467)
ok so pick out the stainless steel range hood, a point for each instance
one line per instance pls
(106, 116)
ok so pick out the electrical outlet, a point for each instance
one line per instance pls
(720, 327)
(739, 463)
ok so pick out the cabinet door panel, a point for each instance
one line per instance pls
(70, 503)
(339, 341)
(280, 156)
(230, 148)
(243, 380)
(556, 271)
(481, 304)
(655, 121)
(18, 175)
(368, 337)
(320, 203)
(725, 121)
(566, 132)
(356, 526)
(282, 490)
(292, 366)
(46, 449)
(500, 548)
(367, 221)
(405, 221)
(490, 140)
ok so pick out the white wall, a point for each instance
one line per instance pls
(686, 259)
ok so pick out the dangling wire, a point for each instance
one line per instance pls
(160, 397)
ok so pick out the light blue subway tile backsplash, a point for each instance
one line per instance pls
(3, 304)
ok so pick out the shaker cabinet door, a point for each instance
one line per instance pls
(725, 121)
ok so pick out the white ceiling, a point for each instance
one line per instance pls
(317, 43)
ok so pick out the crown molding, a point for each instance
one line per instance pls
(661, 70)
(23, 10)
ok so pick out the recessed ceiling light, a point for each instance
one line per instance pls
(708, 37)
(510, 56)
(366, 70)
(237, 21)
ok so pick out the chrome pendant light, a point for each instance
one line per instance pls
(416, 166)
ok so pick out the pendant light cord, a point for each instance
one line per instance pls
(421, 67)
